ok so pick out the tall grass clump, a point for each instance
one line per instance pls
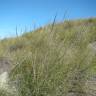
(58, 64)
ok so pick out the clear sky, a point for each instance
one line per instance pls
(26, 13)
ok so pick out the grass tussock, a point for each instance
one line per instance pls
(55, 62)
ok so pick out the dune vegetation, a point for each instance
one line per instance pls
(58, 59)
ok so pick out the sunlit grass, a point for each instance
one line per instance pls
(53, 63)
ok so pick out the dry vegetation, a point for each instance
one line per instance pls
(56, 61)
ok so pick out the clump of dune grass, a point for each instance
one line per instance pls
(58, 62)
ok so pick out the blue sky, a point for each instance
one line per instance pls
(26, 13)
